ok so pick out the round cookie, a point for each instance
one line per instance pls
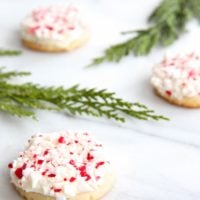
(54, 29)
(177, 80)
(62, 166)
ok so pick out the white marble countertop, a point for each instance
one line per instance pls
(153, 160)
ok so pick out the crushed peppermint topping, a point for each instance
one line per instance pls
(57, 190)
(53, 22)
(19, 171)
(72, 179)
(99, 164)
(178, 76)
(46, 152)
(10, 165)
(61, 139)
(52, 175)
(90, 156)
(54, 162)
(39, 162)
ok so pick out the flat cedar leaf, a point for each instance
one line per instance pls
(8, 52)
(16, 110)
(168, 22)
(23, 99)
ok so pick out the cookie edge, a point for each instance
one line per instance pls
(45, 47)
(109, 180)
(187, 102)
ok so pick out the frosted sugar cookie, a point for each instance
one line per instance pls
(177, 79)
(62, 166)
(54, 29)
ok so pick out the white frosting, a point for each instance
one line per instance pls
(178, 77)
(60, 165)
(59, 25)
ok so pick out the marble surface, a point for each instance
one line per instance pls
(153, 160)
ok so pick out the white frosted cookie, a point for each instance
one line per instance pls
(54, 29)
(62, 166)
(177, 79)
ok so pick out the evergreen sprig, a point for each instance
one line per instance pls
(10, 74)
(8, 52)
(168, 23)
(22, 99)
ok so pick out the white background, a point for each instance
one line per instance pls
(153, 160)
